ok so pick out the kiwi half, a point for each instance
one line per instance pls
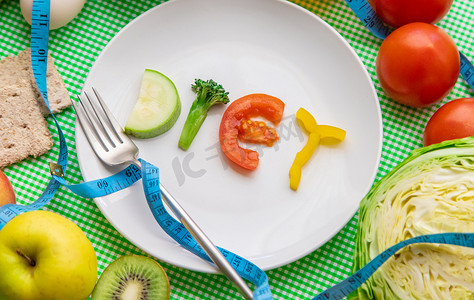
(132, 277)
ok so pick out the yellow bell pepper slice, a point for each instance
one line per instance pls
(316, 134)
(306, 120)
(330, 134)
(301, 159)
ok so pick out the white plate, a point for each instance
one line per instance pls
(266, 46)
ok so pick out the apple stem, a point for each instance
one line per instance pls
(30, 261)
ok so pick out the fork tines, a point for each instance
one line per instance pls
(97, 121)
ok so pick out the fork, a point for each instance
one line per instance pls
(113, 147)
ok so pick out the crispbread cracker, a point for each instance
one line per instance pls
(15, 68)
(23, 129)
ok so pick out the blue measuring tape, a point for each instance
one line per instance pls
(116, 182)
(180, 234)
(369, 18)
(345, 287)
(39, 59)
(367, 15)
(150, 175)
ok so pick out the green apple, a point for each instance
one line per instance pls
(43, 255)
(7, 195)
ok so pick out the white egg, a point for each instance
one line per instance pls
(62, 11)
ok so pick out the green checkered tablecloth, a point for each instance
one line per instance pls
(75, 48)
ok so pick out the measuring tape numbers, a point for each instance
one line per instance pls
(369, 18)
(367, 15)
(118, 181)
(348, 285)
(150, 175)
(39, 59)
(180, 234)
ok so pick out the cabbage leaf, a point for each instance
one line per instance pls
(431, 191)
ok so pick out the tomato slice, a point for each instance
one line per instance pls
(257, 132)
(245, 108)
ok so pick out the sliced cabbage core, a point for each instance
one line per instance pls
(432, 191)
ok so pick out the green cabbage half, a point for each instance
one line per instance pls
(432, 191)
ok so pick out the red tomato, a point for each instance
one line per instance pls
(397, 13)
(453, 120)
(245, 108)
(418, 64)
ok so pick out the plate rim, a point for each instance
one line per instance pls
(210, 268)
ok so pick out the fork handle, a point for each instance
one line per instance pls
(211, 250)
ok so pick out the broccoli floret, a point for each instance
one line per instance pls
(208, 93)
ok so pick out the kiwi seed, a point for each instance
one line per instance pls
(132, 277)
